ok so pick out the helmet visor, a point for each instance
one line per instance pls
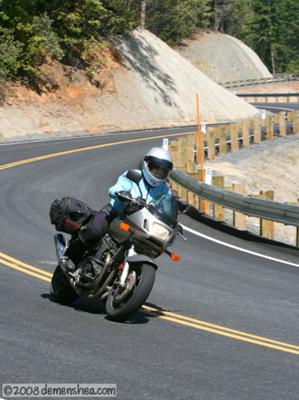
(159, 168)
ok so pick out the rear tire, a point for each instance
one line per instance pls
(60, 289)
(122, 311)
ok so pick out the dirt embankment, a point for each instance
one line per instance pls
(223, 58)
(145, 85)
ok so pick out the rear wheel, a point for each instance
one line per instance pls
(122, 303)
(60, 289)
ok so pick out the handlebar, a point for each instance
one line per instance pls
(124, 196)
(127, 198)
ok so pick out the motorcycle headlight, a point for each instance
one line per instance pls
(159, 231)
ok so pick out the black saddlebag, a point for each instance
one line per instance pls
(68, 214)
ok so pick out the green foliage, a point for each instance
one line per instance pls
(285, 42)
(43, 41)
(174, 20)
(92, 57)
(122, 16)
(73, 31)
(269, 27)
(10, 55)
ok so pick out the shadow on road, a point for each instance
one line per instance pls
(93, 306)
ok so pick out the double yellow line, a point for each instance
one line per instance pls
(88, 148)
(221, 330)
(166, 315)
(25, 268)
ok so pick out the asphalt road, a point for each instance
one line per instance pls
(277, 107)
(229, 295)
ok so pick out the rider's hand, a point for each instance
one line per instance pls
(124, 193)
(135, 205)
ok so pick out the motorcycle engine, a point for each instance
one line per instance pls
(89, 268)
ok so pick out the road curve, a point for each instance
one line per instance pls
(231, 320)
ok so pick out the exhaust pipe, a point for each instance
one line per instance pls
(60, 245)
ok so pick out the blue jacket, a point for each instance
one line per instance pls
(142, 189)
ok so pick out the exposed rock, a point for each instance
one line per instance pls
(223, 58)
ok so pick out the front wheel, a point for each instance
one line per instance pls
(60, 289)
(123, 303)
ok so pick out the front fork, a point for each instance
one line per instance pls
(125, 271)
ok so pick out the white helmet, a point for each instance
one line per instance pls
(156, 166)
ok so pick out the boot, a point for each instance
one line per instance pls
(76, 250)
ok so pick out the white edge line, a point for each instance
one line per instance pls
(239, 248)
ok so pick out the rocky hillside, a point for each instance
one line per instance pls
(147, 84)
(223, 58)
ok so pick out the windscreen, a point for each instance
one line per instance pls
(165, 208)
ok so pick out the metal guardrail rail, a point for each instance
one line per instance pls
(268, 94)
(250, 82)
(248, 205)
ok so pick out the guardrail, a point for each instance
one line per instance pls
(217, 141)
(248, 205)
(269, 97)
(259, 81)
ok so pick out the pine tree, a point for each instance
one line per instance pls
(174, 20)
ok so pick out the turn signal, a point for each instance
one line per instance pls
(124, 227)
(175, 257)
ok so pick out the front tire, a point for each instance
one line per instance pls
(121, 311)
(60, 289)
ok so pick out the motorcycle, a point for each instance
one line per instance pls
(120, 270)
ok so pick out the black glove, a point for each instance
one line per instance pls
(124, 196)
(135, 205)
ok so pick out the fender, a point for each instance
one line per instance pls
(139, 258)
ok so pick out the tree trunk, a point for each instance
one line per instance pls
(143, 13)
(273, 61)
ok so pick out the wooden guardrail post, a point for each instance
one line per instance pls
(181, 164)
(193, 199)
(239, 220)
(269, 127)
(183, 193)
(218, 210)
(245, 133)
(266, 226)
(189, 153)
(282, 124)
(257, 130)
(173, 149)
(234, 137)
(295, 121)
(211, 143)
(180, 155)
(222, 141)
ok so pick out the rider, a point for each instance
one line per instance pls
(148, 183)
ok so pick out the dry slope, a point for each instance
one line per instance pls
(154, 87)
(223, 58)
